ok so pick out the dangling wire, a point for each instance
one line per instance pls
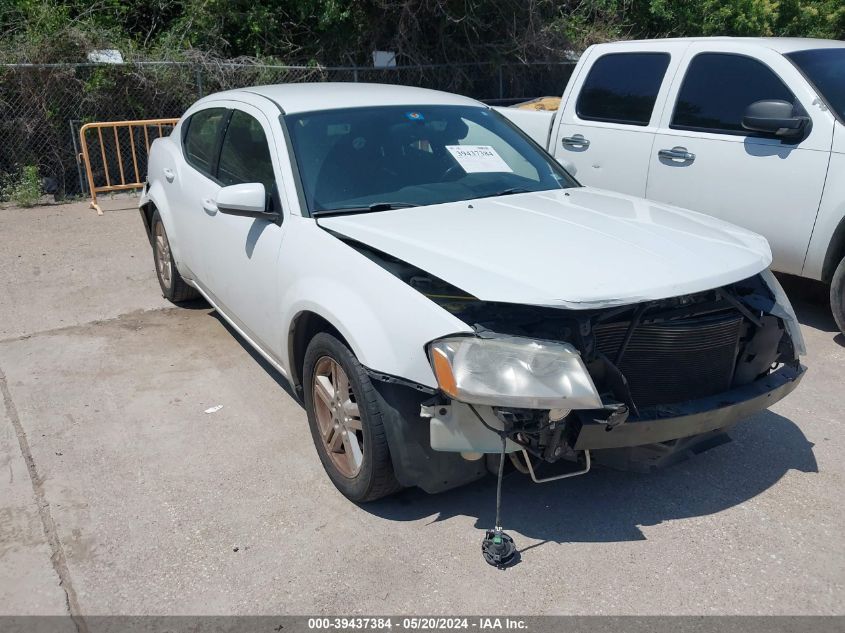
(497, 547)
(499, 483)
(502, 434)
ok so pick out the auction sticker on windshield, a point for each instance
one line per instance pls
(478, 158)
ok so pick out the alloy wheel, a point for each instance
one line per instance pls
(338, 417)
(164, 265)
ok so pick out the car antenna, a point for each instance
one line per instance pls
(498, 547)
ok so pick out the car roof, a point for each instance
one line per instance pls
(308, 97)
(779, 44)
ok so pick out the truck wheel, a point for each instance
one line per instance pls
(837, 295)
(346, 421)
(173, 287)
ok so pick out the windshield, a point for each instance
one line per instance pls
(825, 67)
(376, 158)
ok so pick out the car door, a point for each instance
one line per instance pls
(240, 254)
(191, 181)
(704, 160)
(610, 115)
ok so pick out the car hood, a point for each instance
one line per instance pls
(577, 248)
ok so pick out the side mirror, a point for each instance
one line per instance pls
(247, 200)
(775, 117)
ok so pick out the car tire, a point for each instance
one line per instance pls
(346, 419)
(173, 287)
(837, 295)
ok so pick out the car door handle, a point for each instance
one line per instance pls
(677, 153)
(168, 173)
(576, 140)
(209, 206)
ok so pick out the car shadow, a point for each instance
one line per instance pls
(258, 358)
(609, 506)
(195, 304)
(255, 230)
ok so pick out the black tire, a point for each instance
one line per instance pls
(837, 295)
(174, 288)
(376, 478)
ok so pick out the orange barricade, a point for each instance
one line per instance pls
(112, 151)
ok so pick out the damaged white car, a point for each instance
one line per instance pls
(438, 289)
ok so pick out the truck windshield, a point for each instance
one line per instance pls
(825, 68)
(378, 158)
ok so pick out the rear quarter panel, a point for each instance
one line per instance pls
(165, 153)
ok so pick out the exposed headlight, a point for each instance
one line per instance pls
(783, 309)
(513, 372)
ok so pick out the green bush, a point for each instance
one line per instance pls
(24, 189)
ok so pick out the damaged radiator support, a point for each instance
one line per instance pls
(650, 361)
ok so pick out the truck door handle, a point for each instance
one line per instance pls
(168, 173)
(209, 206)
(677, 153)
(576, 140)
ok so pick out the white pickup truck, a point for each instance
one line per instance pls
(750, 130)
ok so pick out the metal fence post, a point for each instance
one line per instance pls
(355, 73)
(77, 154)
(501, 84)
(199, 81)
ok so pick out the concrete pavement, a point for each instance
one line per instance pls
(119, 495)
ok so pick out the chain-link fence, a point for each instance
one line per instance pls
(43, 106)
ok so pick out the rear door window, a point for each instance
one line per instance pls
(200, 140)
(622, 88)
(717, 89)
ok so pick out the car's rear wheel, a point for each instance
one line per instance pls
(837, 295)
(173, 287)
(346, 420)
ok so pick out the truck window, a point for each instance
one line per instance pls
(622, 88)
(717, 89)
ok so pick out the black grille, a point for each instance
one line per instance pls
(676, 360)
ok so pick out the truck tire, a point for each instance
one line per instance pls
(173, 287)
(837, 295)
(346, 421)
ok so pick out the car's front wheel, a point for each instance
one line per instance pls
(837, 295)
(346, 420)
(173, 287)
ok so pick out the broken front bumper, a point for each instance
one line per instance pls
(456, 428)
(670, 422)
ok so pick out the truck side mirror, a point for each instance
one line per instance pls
(775, 117)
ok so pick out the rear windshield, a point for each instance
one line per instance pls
(825, 68)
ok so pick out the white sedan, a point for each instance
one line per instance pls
(440, 292)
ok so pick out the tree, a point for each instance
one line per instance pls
(420, 31)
